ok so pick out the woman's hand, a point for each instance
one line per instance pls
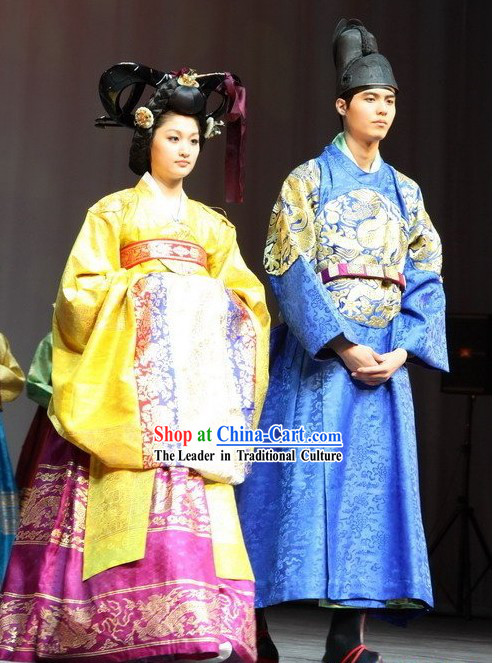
(387, 364)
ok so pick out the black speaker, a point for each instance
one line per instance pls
(469, 347)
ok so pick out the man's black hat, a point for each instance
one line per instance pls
(356, 57)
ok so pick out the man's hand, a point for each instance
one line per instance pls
(354, 356)
(386, 366)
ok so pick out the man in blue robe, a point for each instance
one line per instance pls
(354, 261)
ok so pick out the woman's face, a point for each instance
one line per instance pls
(175, 147)
(369, 114)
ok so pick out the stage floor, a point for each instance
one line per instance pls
(300, 631)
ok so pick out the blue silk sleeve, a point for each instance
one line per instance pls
(308, 309)
(290, 253)
(420, 327)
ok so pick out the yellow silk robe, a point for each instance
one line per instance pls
(11, 375)
(95, 403)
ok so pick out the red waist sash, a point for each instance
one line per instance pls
(166, 249)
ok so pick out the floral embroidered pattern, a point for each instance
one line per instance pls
(154, 369)
(424, 243)
(241, 349)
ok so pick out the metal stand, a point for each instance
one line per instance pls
(464, 511)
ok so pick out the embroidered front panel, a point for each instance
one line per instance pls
(364, 227)
(192, 335)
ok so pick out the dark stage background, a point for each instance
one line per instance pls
(54, 164)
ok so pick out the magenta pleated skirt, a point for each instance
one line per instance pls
(170, 605)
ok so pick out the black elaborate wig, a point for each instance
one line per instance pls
(185, 93)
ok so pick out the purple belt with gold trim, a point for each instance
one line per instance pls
(352, 270)
(166, 249)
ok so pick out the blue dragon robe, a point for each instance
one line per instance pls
(346, 533)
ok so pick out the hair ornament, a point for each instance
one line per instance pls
(213, 127)
(144, 118)
(188, 77)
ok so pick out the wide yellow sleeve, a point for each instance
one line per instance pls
(227, 264)
(11, 375)
(94, 403)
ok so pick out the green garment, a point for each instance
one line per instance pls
(339, 141)
(39, 379)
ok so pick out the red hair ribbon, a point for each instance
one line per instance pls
(235, 120)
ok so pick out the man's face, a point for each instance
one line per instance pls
(369, 114)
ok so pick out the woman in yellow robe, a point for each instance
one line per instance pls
(157, 321)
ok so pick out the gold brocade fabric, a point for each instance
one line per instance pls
(361, 226)
(11, 376)
(291, 232)
(229, 552)
(424, 243)
(95, 404)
